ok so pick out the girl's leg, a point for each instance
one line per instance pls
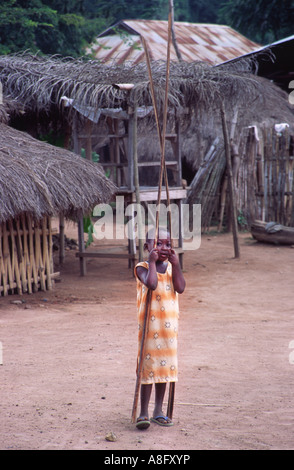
(159, 396)
(158, 415)
(145, 398)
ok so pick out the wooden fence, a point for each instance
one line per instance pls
(264, 180)
(26, 258)
(262, 164)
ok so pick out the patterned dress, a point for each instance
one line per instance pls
(160, 364)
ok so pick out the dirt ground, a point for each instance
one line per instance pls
(68, 373)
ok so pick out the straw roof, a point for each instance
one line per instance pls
(39, 82)
(8, 107)
(3, 114)
(41, 179)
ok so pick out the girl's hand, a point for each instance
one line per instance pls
(173, 258)
(153, 255)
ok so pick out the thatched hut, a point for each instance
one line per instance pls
(41, 83)
(39, 181)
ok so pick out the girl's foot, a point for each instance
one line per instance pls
(142, 422)
(162, 420)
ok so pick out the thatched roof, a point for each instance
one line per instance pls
(8, 107)
(41, 179)
(39, 82)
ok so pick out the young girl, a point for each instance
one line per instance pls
(163, 276)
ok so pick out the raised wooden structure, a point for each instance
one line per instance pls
(123, 169)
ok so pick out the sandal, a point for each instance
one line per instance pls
(143, 423)
(162, 421)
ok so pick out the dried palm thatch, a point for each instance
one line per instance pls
(43, 180)
(39, 82)
(3, 114)
(8, 107)
(273, 108)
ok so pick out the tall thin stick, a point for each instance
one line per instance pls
(141, 356)
(230, 181)
(175, 44)
(162, 172)
(161, 134)
(137, 186)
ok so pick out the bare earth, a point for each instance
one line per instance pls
(69, 355)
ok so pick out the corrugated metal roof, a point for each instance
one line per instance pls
(206, 42)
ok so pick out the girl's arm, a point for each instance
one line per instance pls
(178, 278)
(149, 276)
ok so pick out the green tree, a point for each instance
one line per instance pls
(50, 26)
(261, 20)
(66, 27)
(18, 24)
(197, 11)
(131, 9)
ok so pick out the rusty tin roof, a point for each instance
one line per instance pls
(211, 43)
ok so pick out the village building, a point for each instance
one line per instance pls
(107, 108)
(39, 181)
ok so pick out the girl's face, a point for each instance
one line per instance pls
(163, 246)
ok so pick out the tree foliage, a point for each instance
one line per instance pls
(66, 26)
(264, 21)
(50, 26)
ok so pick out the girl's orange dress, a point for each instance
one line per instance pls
(160, 364)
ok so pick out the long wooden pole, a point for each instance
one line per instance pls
(230, 181)
(137, 187)
(161, 134)
(141, 356)
(174, 39)
(162, 172)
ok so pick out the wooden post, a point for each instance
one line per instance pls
(131, 124)
(14, 259)
(117, 152)
(230, 181)
(61, 239)
(46, 251)
(3, 273)
(33, 267)
(88, 134)
(77, 150)
(137, 187)
(174, 39)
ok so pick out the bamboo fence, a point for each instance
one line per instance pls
(26, 258)
(264, 183)
(263, 179)
(205, 186)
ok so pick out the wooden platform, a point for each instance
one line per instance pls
(149, 194)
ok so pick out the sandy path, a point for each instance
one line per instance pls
(68, 372)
